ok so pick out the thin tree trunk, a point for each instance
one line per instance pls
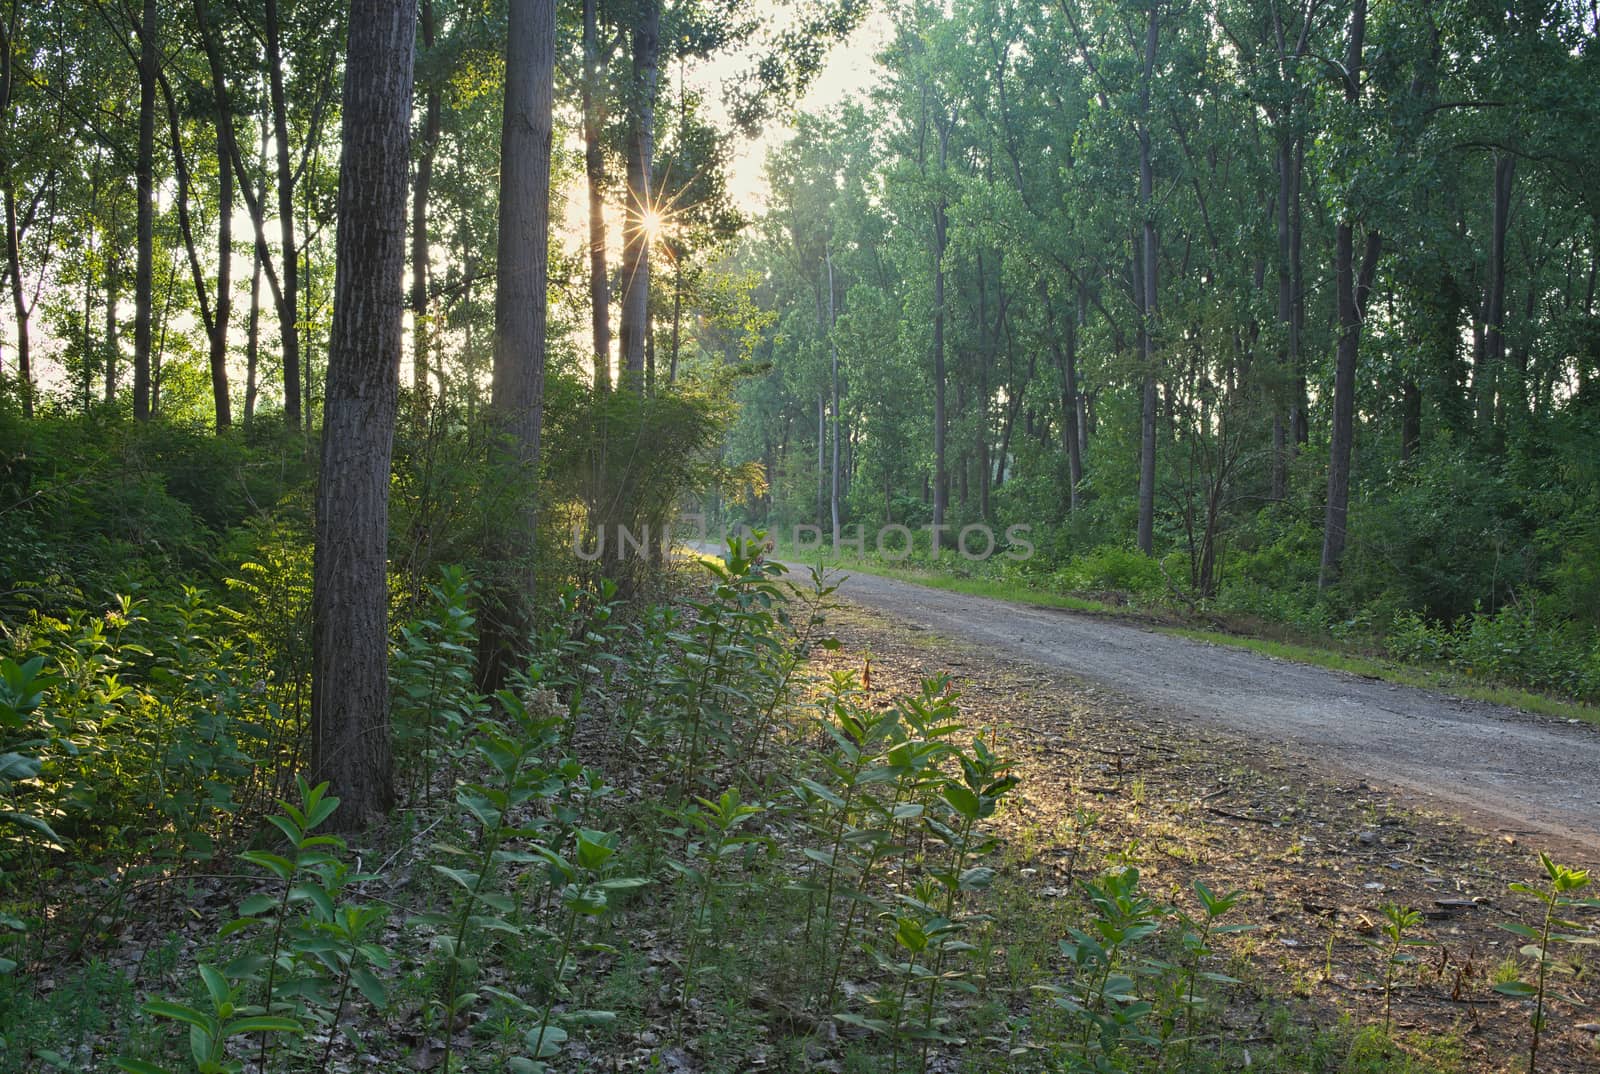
(1410, 420)
(833, 345)
(288, 314)
(420, 357)
(594, 168)
(1288, 349)
(941, 475)
(1147, 299)
(19, 304)
(1494, 317)
(144, 183)
(214, 320)
(350, 642)
(113, 344)
(1352, 295)
(640, 202)
(252, 348)
(822, 460)
(226, 153)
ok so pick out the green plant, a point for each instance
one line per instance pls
(1397, 920)
(431, 679)
(585, 894)
(22, 689)
(1101, 1000)
(317, 949)
(1195, 941)
(1557, 895)
(714, 827)
(517, 777)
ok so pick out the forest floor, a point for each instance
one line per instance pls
(1500, 769)
(1187, 793)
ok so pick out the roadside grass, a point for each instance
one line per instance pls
(1320, 652)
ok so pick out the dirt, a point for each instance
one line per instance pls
(1188, 786)
(1497, 769)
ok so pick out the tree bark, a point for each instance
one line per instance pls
(594, 168)
(1352, 297)
(144, 183)
(288, 315)
(1493, 368)
(1147, 297)
(941, 474)
(521, 284)
(640, 201)
(420, 357)
(833, 346)
(226, 153)
(350, 642)
(19, 304)
(113, 342)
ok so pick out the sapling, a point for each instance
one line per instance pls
(1557, 895)
(585, 893)
(716, 823)
(1196, 940)
(1396, 921)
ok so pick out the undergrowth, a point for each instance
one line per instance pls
(667, 842)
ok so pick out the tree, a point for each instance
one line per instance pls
(350, 639)
(521, 281)
(1353, 290)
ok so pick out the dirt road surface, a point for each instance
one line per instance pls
(1496, 768)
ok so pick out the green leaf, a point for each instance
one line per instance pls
(256, 905)
(262, 1023)
(138, 1066)
(962, 800)
(216, 987)
(178, 1012)
(546, 1042)
(370, 986)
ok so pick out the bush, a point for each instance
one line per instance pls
(1111, 568)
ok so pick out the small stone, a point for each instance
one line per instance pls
(1367, 838)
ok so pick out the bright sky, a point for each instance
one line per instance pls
(851, 71)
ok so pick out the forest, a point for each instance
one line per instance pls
(464, 529)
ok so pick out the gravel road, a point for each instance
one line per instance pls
(1497, 768)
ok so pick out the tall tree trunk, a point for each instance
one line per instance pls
(1289, 349)
(1493, 371)
(833, 345)
(224, 309)
(289, 292)
(213, 319)
(420, 358)
(19, 304)
(1352, 298)
(350, 639)
(635, 326)
(226, 154)
(252, 347)
(1147, 298)
(1064, 345)
(521, 285)
(822, 461)
(594, 168)
(1410, 420)
(112, 343)
(144, 183)
(941, 474)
